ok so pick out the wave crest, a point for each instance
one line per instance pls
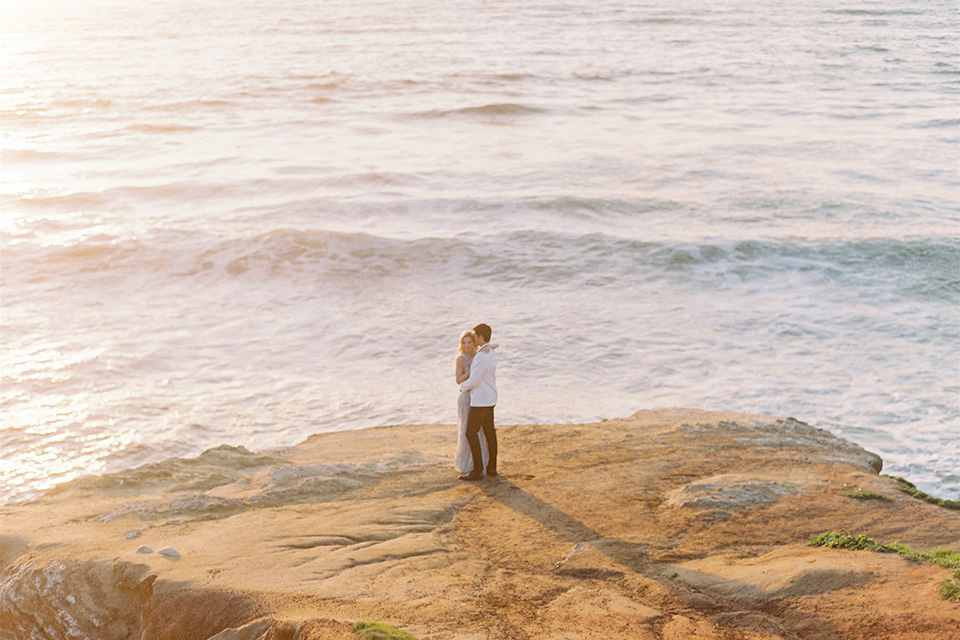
(496, 110)
(530, 258)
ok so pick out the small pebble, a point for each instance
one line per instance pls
(169, 553)
(143, 549)
(133, 534)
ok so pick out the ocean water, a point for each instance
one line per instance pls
(246, 222)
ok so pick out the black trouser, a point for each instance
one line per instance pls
(482, 418)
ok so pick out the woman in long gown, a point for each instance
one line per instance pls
(463, 460)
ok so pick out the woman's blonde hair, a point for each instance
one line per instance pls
(463, 335)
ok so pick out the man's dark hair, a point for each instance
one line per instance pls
(483, 330)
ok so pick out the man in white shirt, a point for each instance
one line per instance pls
(482, 385)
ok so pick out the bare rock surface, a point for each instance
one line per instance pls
(669, 525)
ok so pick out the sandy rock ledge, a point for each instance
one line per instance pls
(672, 524)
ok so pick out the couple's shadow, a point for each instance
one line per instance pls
(623, 553)
(688, 585)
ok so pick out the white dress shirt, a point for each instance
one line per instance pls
(482, 383)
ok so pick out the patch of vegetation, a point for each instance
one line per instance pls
(950, 589)
(834, 540)
(860, 494)
(911, 490)
(379, 631)
(947, 558)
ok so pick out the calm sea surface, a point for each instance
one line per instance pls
(246, 222)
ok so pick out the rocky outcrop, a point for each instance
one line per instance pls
(670, 524)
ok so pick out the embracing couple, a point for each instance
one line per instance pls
(477, 377)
